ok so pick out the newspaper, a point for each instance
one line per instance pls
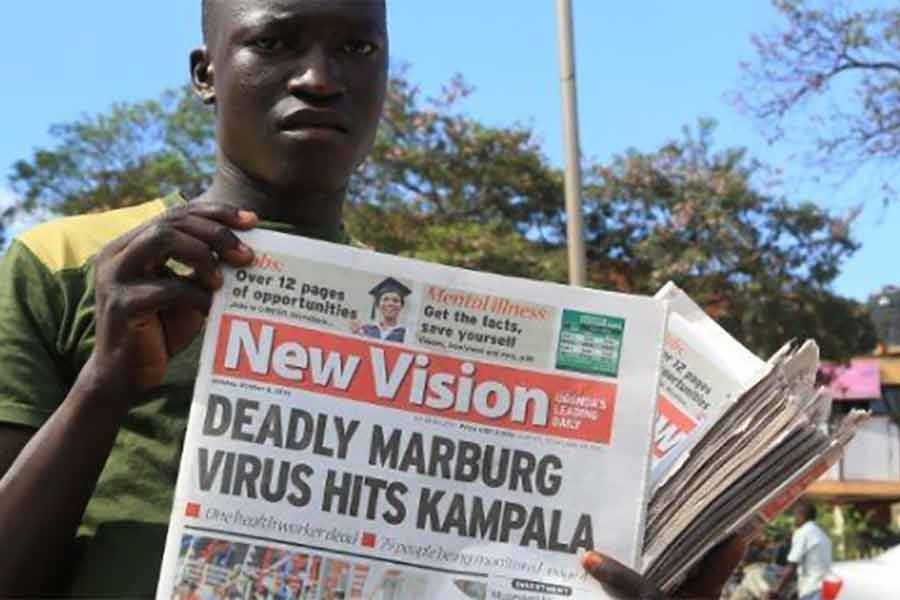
(771, 486)
(368, 426)
(703, 366)
(757, 438)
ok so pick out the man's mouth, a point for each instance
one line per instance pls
(312, 120)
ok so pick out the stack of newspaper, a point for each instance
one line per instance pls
(372, 427)
(761, 438)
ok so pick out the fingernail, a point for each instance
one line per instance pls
(247, 216)
(244, 249)
(592, 561)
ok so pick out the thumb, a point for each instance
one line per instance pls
(618, 580)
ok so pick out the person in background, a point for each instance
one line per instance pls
(759, 572)
(809, 557)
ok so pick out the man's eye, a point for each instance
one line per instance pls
(359, 47)
(268, 44)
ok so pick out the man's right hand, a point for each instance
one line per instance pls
(146, 313)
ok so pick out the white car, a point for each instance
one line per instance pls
(871, 579)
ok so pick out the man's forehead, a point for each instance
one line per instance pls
(222, 15)
(241, 9)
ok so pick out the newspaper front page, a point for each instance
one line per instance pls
(373, 427)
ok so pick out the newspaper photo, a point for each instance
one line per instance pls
(372, 427)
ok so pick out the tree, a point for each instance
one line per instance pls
(7, 210)
(2, 236)
(137, 151)
(760, 265)
(453, 167)
(830, 74)
(441, 186)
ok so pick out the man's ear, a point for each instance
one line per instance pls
(203, 76)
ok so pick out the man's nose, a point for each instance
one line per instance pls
(318, 77)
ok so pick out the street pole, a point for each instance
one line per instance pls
(574, 226)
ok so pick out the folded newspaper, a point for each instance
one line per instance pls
(372, 427)
(749, 437)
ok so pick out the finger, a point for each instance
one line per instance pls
(618, 580)
(160, 294)
(150, 251)
(214, 224)
(232, 216)
(192, 253)
(220, 238)
(716, 567)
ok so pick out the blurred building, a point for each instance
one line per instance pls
(884, 308)
(868, 476)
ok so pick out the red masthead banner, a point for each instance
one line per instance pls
(418, 382)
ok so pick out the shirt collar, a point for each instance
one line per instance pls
(335, 234)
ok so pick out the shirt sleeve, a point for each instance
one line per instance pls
(798, 546)
(32, 382)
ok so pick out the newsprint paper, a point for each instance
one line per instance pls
(702, 368)
(372, 427)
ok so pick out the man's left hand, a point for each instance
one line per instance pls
(707, 582)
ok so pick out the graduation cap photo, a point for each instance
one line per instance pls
(388, 301)
(388, 286)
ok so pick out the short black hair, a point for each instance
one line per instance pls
(206, 19)
(807, 509)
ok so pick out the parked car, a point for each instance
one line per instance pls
(869, 579)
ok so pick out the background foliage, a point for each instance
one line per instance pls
(829, 74)
(857, 537)
(445, 187)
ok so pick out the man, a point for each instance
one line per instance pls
(809, 558)
(99, 338)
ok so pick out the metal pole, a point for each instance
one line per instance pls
(574, 226)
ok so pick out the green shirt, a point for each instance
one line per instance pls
(46, 336)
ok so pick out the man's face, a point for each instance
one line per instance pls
(299, 87)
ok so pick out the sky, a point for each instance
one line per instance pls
(644, 70)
